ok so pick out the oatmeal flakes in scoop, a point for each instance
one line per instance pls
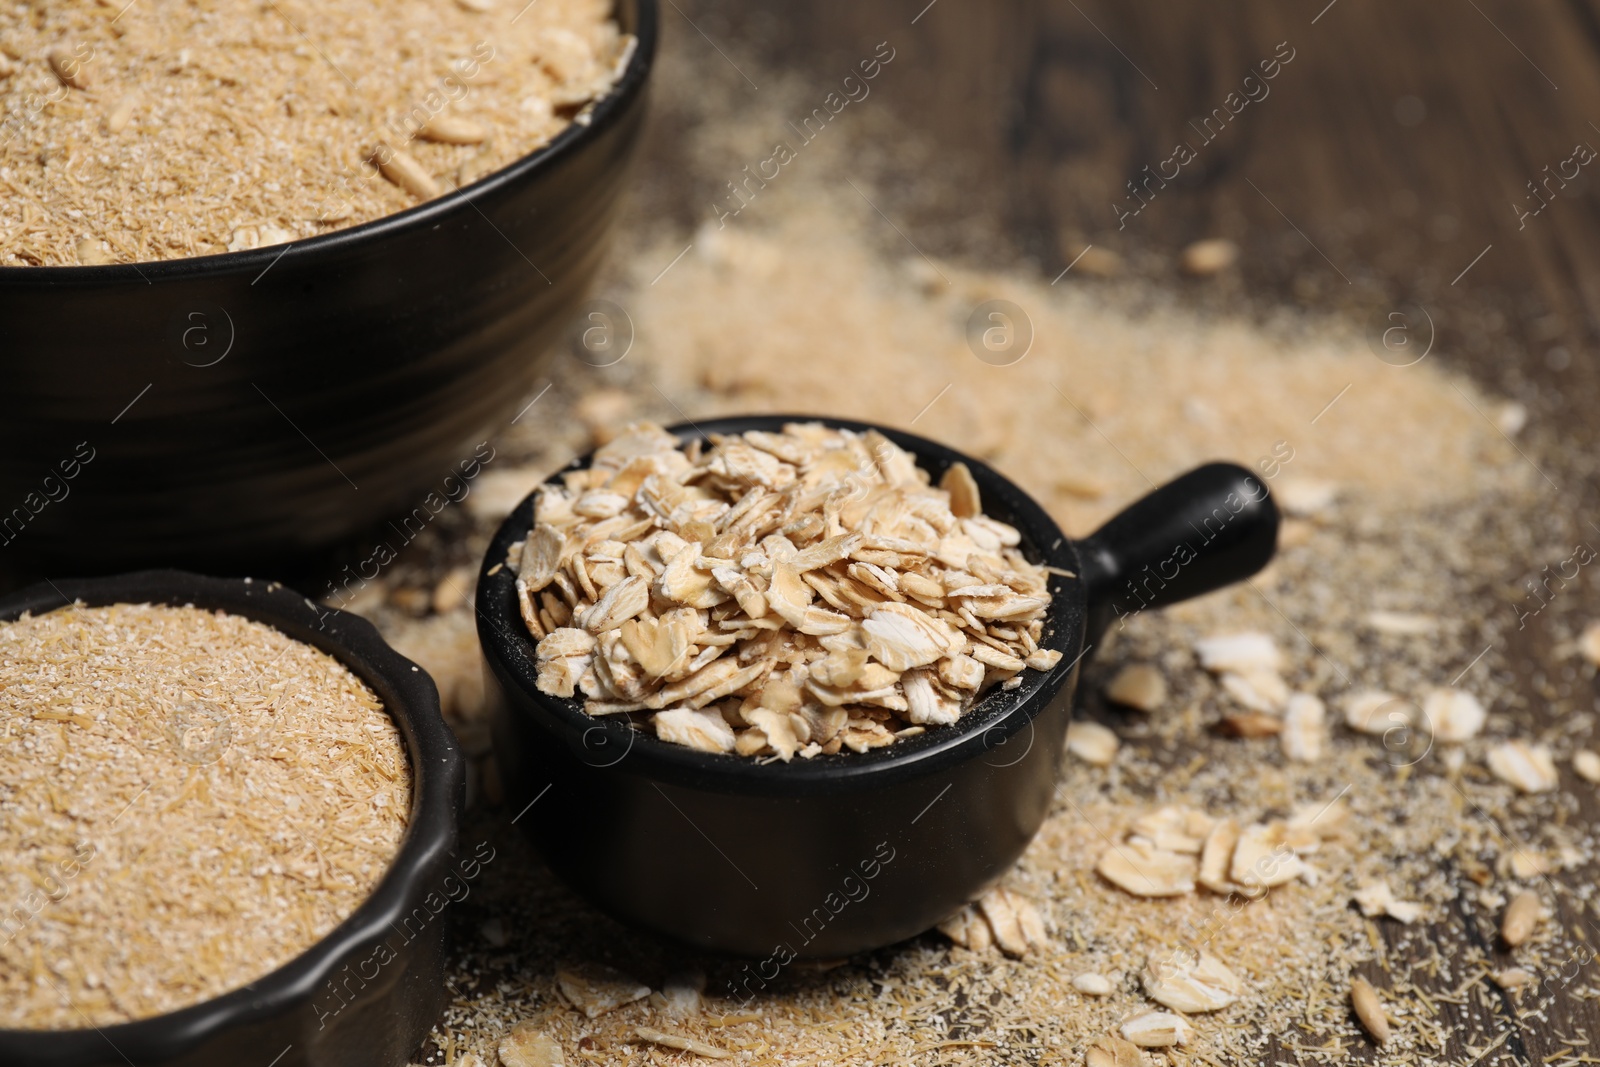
(775, 594)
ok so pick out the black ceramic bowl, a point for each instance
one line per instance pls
(841, 854)
(227, 410)
(344, 1002)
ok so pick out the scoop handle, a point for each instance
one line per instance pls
(1211, 527)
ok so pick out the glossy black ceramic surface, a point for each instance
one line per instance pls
(228, 411)
(839, 854)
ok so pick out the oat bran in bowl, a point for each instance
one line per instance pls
(342, 374)
(225, 802)
(728, 846)
(189, 131)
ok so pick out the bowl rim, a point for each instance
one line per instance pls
(993, 723)
(430, 838)
(602, 114)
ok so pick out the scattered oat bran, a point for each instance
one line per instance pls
(905, 1002)
(721, 336)
(737, 330)
(206, 796)
(172, 130)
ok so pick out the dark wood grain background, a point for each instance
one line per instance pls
(1391, 152)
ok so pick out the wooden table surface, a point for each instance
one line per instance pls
(1389, 160)
(1405, 155)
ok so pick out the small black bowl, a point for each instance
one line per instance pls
(343, 1002)
(226, 411)
(840, 854)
